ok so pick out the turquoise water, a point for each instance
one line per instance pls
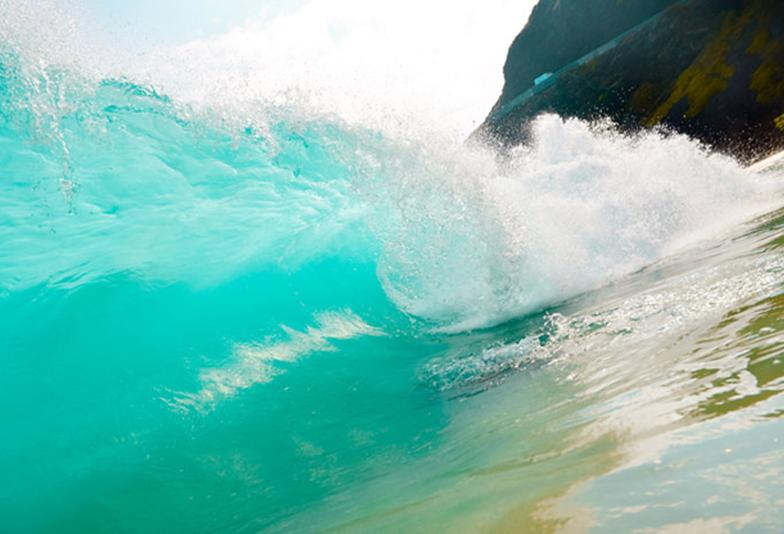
(301, 323)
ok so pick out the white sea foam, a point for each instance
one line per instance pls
(651, 318)
(471, 240)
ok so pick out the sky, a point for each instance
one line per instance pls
(178, 21)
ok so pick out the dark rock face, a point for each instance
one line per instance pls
(712, 69)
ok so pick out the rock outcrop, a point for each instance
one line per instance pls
(712, 69)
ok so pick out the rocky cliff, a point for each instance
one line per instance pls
(712, 69)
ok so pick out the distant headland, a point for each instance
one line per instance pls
(711, 69)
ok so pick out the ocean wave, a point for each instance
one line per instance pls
(117, 177)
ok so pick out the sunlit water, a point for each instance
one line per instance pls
(302, 323)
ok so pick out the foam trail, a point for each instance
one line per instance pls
(255, 363)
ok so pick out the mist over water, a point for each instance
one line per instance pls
(260, 280)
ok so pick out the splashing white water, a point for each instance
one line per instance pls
(471, 241)
(380, 64)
